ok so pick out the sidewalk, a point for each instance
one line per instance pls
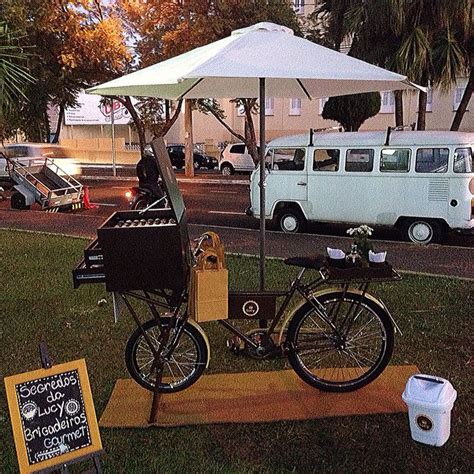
(128, 173)
(432, 259)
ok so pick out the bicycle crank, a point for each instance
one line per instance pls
(266, 347)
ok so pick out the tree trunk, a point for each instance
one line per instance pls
(136, 120)
(464, 102)
(188, 138)
(250, 137)
(225, 125)
(422, 99)
(167, 110)
(398, 108)
(47, 129)
(59, 124)
(171, 120)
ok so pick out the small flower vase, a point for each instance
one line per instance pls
(353, 259)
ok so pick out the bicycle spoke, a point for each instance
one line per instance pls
(346, 355)
(184, 361)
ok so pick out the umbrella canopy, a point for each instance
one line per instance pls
(293, 67)
(263, 59)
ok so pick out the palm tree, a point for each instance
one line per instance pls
(431, 48)
(14, 76)
(418, 38)
(466, 32)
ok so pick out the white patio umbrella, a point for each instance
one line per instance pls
(262, 59)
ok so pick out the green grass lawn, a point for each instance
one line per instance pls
(37, 302)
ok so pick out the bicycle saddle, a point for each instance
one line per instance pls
(315, 262)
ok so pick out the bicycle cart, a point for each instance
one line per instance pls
(339, 338)
(45, 183)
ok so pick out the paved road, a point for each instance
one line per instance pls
(212, 201)
(432, 259)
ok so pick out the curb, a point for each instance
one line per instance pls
(240, 182)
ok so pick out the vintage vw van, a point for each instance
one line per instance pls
(420, 182)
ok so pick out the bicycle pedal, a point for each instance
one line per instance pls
(235, 345)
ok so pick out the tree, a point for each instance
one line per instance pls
(468, 44)
(351, 111)
(418, 38)
(73, 43)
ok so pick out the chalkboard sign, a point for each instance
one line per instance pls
(52, 415)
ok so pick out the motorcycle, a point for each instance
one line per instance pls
(143, 199)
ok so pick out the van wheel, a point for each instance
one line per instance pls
(291, 221)
(18, 201)
(227, 170)
(422, 231)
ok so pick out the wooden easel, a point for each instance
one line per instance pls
(47, 363)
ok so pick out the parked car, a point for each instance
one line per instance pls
(235, 158)
(176, 153)
(31, 154)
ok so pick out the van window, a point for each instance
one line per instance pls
(395, 160)
(463, 160)
(359, 159)
(288, 159)
(237, 149)
(326, 160)
(432, 160)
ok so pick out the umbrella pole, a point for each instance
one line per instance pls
(262, 182)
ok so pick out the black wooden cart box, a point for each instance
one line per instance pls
(143, 251)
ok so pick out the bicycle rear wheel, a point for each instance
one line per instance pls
(347, 354)
(183, 367)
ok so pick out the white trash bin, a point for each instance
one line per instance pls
(430, 400)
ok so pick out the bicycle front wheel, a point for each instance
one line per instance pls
(347, 348)
(181, 369)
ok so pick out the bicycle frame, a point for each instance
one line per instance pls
(160, 299)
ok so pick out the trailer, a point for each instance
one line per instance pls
(45, 183)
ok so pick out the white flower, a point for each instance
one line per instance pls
(362, 230)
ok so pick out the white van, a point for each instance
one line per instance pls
(419, 182)
(235, 158)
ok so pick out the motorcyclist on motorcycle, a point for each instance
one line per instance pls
(148, 175)
(149, 190)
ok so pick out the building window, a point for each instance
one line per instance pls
(240, 111)
(360, 160)
(295, 107)
(298, 7)
(387, 105)
(269, 106)
(322, 102)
